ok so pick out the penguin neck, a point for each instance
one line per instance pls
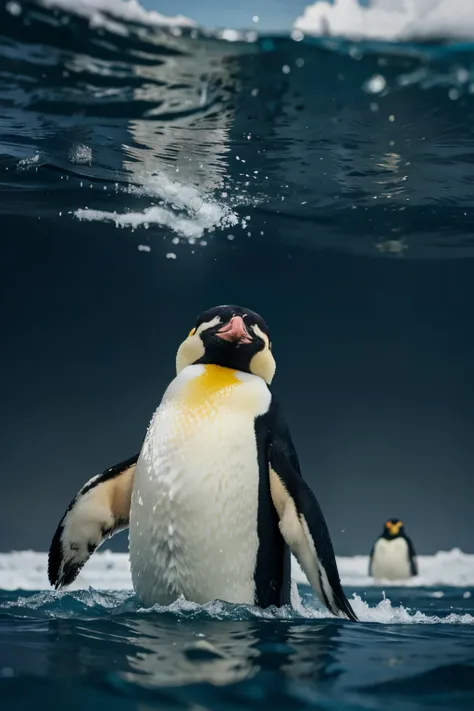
(212, 380)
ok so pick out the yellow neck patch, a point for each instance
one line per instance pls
(214, 380)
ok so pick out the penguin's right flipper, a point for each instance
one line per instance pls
(412, 557)
(100, 509)
(304, 529)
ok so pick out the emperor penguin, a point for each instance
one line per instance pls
(215, 500)
(393, 556)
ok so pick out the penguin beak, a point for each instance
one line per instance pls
(394, 528)
(235, 331)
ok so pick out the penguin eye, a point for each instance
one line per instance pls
(192, 332)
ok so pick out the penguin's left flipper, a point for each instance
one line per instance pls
(100, 509)
(304, 529)
(371, 559)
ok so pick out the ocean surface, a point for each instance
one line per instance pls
(93, 646)
(125, 136)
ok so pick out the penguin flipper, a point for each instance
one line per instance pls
(304, 529)
(412, 557)
(100, 509)
(371, 559)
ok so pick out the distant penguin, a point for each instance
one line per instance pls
(393, 556)
(215, 500)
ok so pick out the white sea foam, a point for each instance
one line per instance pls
(383, 613)
(183, 209)
(80, 154)
(27, 570)
(390, 19)
(386, 613)
(97, 12)
(30, 162)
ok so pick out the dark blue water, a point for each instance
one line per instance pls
(146, 166)
(180, 133)
(95, 650)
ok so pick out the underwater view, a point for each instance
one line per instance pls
(313, 163)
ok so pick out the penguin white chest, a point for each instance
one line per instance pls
(391, 559)
(193, 519)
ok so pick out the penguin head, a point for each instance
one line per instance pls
(393, 528)
(232, 337)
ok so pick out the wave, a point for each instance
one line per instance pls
(27, 570)
(94, 603)
(157, 126)
(390, 20)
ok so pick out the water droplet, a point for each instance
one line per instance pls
(14, 8)
(462, 75)
(375, 84)
(297, 35)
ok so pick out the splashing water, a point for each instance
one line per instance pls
(93, 603)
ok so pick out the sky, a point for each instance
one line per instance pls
(274, 15)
